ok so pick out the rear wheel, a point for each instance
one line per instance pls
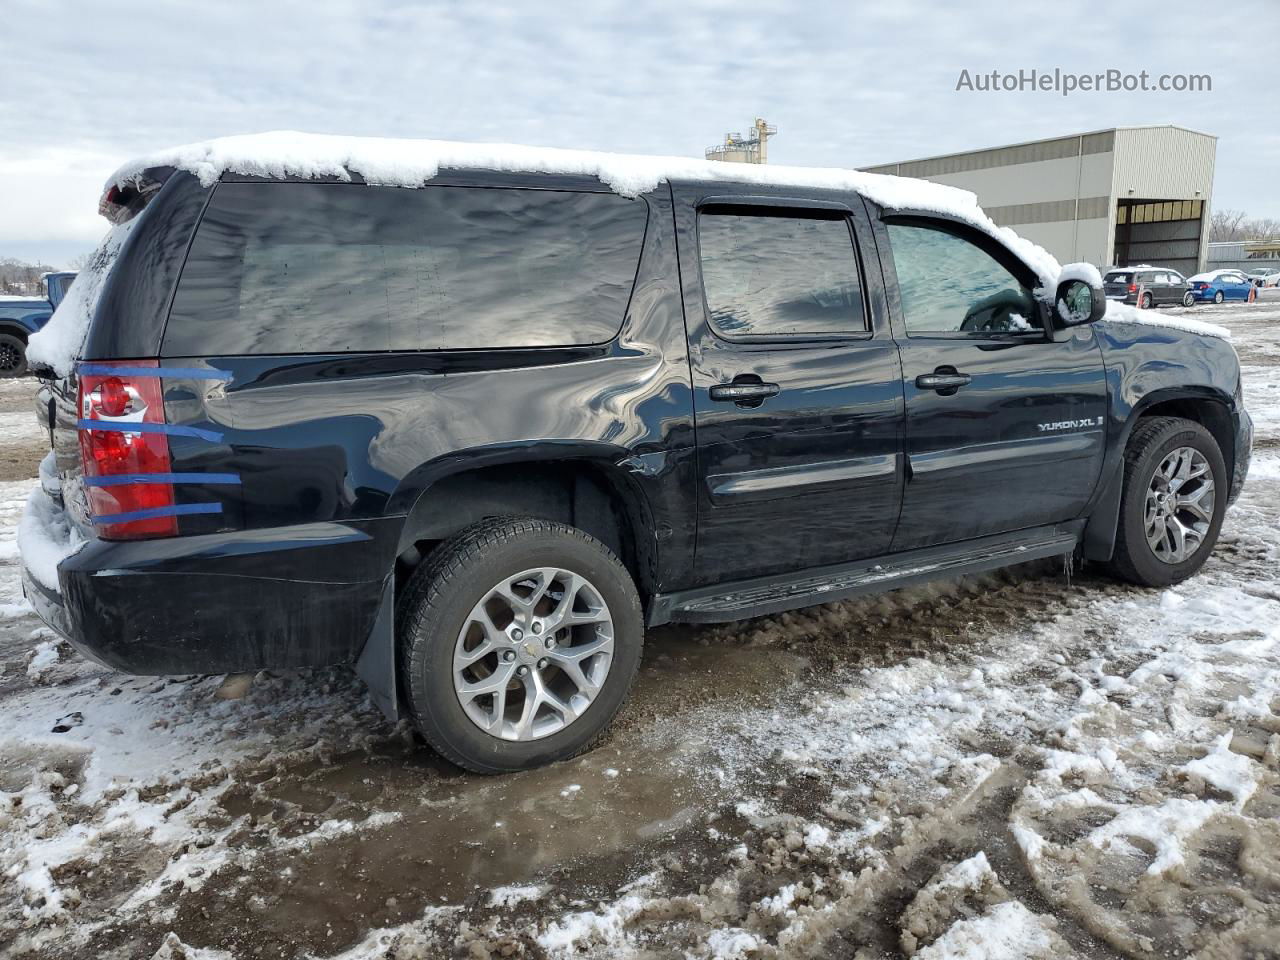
(1219, 297)
(1146, 301)
(519, 640)
(1172, 504)
(13, 355)
(1187, 299)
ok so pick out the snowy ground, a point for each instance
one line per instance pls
(1019, 765)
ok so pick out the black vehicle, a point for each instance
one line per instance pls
(1152, 286)
(473, 438)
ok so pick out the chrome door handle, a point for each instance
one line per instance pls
(737, 392)
(943, 381)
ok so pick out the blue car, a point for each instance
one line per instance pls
(22, 316)
(1220, 285)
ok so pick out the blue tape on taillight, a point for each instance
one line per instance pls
(169, 429)
(121, 479)
(177, 510)
(187, 373)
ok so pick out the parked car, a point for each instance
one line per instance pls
(473, 438)
(1151, 286)
(1220, 285)
(20, 317)
(1266, 277)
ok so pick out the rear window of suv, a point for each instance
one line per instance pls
(327, 268)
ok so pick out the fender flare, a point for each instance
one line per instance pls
(377, 661)
(1099, 538)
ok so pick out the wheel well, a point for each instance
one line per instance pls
(17, 330)
(578, 493)
(1210, 414)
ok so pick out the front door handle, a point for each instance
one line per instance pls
(943, 381)
(752, 393)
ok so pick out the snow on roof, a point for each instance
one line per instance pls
(410, 163)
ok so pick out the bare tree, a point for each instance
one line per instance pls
(1228, 226)
(20, 278)
(78, 263)
(1225, 226)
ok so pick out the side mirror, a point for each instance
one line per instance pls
(1079, 302)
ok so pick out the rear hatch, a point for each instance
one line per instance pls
(1116, 284)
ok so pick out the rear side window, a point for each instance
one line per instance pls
(1118, 277)
(325, 268)
(779, 274)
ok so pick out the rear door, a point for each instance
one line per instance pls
(1005, 424)
(797, 384)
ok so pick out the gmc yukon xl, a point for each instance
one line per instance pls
(472, 426)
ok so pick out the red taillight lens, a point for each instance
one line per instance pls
(117, 461)
(1133, 288)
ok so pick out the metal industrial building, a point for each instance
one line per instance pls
(1118, 197)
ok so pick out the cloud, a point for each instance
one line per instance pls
(848, 84)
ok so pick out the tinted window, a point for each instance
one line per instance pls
(1117, 277)
(949, 285)
(305, 268)
(779, 274)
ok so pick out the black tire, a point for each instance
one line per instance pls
(13, 355)
(1146, 301)
(1152, 440)
(1219, 297)
(1188, 300)
(439, 598)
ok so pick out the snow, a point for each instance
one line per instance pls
(58, 343)
(1232, 773)
(410, 163)
(45, 538)
(1118, 312)
(1008, 931)
(1210, 275)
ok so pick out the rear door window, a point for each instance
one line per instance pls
(324, 268)
(782, 273)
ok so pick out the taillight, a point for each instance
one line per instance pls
(121, 456)
(1133, 288)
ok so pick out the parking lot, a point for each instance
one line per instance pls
(1058, 763)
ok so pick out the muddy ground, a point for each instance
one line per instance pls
(1033, 763)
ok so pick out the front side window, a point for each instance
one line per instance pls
(770, 274)
(950, 285)
(326, 268)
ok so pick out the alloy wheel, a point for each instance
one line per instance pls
(533, 654)
(1179, 505)
(10, 359)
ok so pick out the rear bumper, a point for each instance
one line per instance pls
(224, 603)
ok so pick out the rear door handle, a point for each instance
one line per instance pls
(940, 381)
(740, 392)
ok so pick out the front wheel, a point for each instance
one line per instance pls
(519, 639)
(13, 355)
(1172, 504)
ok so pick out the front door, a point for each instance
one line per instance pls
(798, 395)
(1005, 425)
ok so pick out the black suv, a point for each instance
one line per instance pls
(474, 437)
(1148, 286)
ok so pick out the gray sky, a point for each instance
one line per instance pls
(87, 85)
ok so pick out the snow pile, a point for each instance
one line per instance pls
(46, 538)
(58, 343)
(1224, 770)
(1008, 931)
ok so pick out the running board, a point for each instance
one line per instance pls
(763, 595)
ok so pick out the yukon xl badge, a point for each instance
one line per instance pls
(1070, 424)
